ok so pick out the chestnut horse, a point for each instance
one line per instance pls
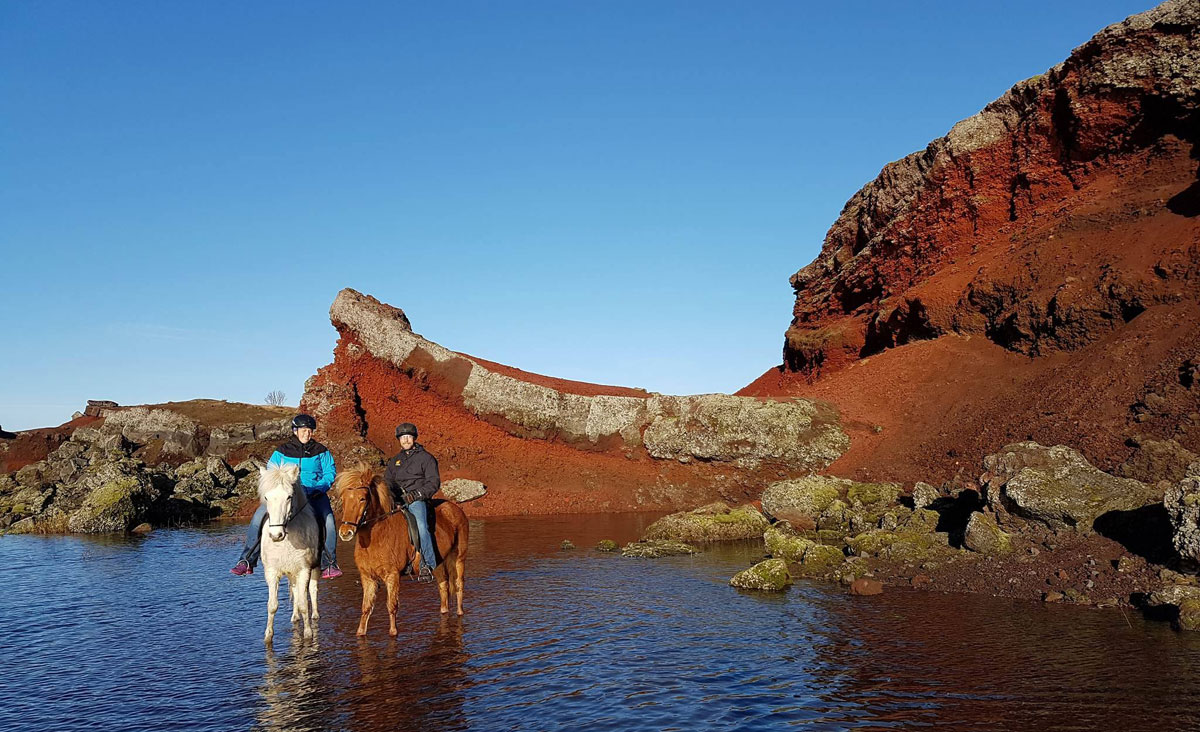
(384, 549)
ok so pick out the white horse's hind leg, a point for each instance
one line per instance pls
(272, 577)
(312, 595)
(300, 587)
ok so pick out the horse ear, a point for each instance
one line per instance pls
(292, 471)
(383, 494)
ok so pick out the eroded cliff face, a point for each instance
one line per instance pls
(545, 445)
(1034, 274)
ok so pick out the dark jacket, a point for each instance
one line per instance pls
(412, 475)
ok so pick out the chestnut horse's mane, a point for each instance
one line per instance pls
(363, 475)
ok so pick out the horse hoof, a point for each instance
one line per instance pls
(460, 612)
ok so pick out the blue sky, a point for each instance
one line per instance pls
(606, 191)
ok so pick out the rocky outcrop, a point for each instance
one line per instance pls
(1057, 487)
(979, 282)
(535, 440)
(1183, 507)
(461, 490)
(714, 522)
(984, 536)
(94, 483)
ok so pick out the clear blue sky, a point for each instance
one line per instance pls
(607, 191)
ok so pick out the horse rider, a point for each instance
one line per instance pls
(316, 475)
(412, 477)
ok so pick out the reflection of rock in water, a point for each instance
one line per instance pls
(414, 682)
(293, 693)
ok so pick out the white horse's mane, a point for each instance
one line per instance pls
(274, 477)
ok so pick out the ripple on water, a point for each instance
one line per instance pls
(153, 633)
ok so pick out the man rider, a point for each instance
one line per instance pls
(412, 476)
(316, 475)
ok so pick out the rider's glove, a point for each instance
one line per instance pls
(411, 496)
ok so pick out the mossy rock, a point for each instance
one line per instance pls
(899, 545)
(820, 559)
(566, 545)
(1189, 614)
(114, 506)
(850, 570)
(714, 522)
(656, 548)
(607, 545)
(784, 544)
(921, 521)
(807, 497)
(771, 575)
(869, 494)
(984, 536)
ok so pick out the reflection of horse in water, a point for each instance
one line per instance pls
(384, 550)
(416, 683)
(295, 690)
(289, 545)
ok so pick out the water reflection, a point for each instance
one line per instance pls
(153, 634)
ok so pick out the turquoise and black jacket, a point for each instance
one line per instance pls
(316, 463)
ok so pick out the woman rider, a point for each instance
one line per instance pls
(316, 475)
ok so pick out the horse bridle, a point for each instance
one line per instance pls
(362, 519)
(295, 513)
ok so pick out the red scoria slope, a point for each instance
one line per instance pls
(1035, 274)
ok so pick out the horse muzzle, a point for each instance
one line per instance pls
(346, 534)
(276, 534)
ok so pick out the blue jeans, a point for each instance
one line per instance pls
(324, 512)
(420, 511)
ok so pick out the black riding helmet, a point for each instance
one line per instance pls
(408, 428)
(303, 420)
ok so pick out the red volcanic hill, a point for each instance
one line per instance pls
(545, 445)
(1034, 274)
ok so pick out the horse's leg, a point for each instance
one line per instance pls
(443, 582)
(393, 600)
(300, 590)
(460, 568)
(272, 577)
(293, 595)
(370, 587)
(312, 595)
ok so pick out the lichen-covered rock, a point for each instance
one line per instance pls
(822, 559)
(899, 545)
(809, 496)
(921, 521)
(180, 435)
(798, 432)
(1189, 614)
(461, 490)
(771, 575)
(1173, 595)
(655, 548)
(872, 494)
(714, 522)
(851, 569)
(783, 543)
(606, 545)
(1183, 507)
(117, 505)
(924, 494)
(204, 480)
(1057, 487)
(983, 535)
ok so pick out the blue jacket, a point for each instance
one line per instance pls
(316, 463)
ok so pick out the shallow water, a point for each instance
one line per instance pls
(154, 633)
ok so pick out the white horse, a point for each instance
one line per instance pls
(290, 541)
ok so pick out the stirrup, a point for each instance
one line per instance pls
(425, 574)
